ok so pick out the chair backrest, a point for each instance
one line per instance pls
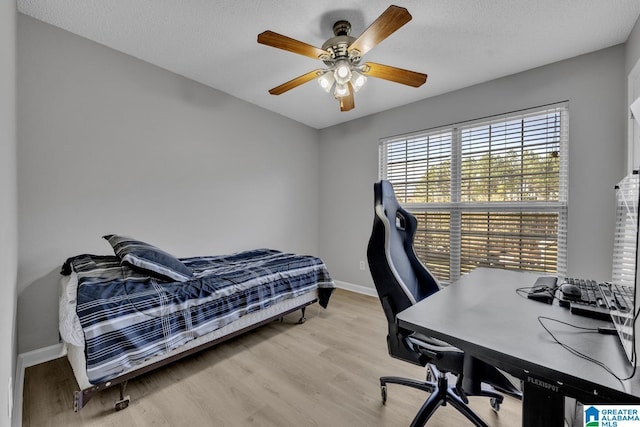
(400, 278)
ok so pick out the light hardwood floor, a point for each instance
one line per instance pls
(321, 373)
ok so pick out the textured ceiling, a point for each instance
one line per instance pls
(458, 43)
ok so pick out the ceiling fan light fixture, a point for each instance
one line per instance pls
(326, 81)
(357, 80)
(342, 72)
(341, 90)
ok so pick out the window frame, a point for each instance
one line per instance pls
(456, 207)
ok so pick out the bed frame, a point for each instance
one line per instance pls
(238, 327)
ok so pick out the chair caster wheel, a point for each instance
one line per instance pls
(383, 393)
(122, 404)
(495, 404)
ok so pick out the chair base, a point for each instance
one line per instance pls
(441, 394)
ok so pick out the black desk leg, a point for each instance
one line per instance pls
(541, 406)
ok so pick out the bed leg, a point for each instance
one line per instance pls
(302, 319)
(124, 400)
(78, 400)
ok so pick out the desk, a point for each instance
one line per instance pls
(483, 315)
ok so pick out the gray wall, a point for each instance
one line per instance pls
(8, 204)
(594, 85)
(111, 144)
(633, 48)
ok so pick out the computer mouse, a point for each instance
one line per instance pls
(570, 291)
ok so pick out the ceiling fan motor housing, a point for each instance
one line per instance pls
(338, 45)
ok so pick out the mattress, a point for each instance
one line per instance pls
(69, 324)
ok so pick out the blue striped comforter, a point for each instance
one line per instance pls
(128, 317)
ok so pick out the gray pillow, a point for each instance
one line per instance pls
(148, 258)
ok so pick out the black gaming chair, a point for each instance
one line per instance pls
(401, 281)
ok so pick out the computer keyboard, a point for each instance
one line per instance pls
(623, 296)
(597, 300)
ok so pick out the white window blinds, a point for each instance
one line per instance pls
(489, 192)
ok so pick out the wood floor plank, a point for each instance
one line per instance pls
(324, 372)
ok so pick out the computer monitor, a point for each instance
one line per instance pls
(626, 260)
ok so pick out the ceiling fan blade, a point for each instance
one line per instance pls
(279, 41)
(389, 22)
(398, 75)
(291, 84)
(347, 102)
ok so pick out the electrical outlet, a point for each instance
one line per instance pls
(362, 265)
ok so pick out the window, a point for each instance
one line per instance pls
(486, 193)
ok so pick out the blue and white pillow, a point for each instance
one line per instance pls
(150, 259)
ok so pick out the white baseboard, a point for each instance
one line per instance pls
(25, 360)
(42, 355)
(356, 288)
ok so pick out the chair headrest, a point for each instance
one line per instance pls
(411, 277)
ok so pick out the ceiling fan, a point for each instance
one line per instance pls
(342, 54)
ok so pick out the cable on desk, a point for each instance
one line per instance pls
(524, 292)
(578, 353)
(520, 291)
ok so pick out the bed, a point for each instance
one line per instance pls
(126, 314)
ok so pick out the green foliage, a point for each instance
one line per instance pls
(509, 240)
(511, 176)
